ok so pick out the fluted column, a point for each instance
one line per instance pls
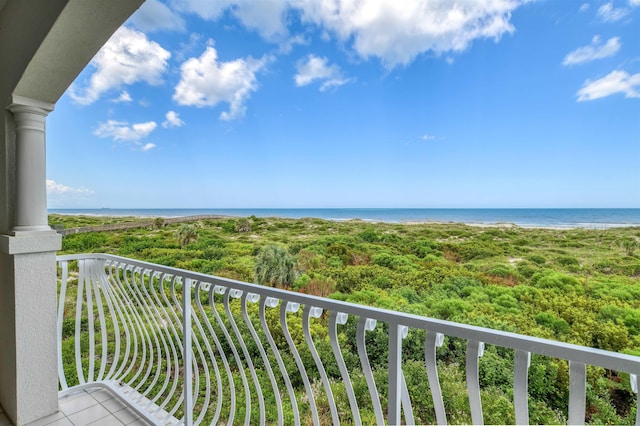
(30, 172)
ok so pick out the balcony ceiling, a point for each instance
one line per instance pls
(45, 45)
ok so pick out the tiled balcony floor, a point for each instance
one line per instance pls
(95, 407)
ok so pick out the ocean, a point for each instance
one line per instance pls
(536, 218)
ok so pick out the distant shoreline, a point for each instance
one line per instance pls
(558, 219)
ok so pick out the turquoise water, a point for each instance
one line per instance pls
(554, 218)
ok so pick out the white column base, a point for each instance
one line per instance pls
(28, 230)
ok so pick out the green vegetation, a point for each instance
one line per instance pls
(579, 286)
(275, 267)
(186, 234)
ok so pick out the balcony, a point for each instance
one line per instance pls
(186, 348)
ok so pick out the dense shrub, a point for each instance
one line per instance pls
(467, 251)
(551, 321)
(274, 266)
(83, 243)
(423, 248)
(536, 258)
(567, 261)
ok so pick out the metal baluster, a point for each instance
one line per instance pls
(364, 325)
(151, 319)
(236, 294)
(475, 350)
(293, 307)
(334, 319)
(225, 291)
(165, 334)
(433, 341)
(186, 351)
(407, 408)
(225, 362)
(160, 330)
(140, 323)
(312, 312)
(130, 327)
(272, 303)
(79, 369)
(90, 320)
(206, 287)
(105, 286)
(253, 298)
(176, 327)
(92, 281)
(195, 321)
(145, 321)
(64, 266)
(223, 356)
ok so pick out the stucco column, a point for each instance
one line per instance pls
(28, 292)
(31, 188)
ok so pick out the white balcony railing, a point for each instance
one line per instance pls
(234, 350)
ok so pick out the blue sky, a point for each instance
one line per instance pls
(359, 103)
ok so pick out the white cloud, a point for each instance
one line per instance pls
(206, 81)
(315, 68)
(427, 137)
(397, 31)
(187, 48)
(127, 58)
(156, 16)
(393, 31)
(596, 50)
(54, 188)
(612, 83)
(124, 97)
(122, 131)
(267, 17)
(584, 7)
(147, 147)
(172, 120)
(634, 3)
(287, 45)
(608, 13)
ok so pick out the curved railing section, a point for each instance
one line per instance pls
(189, 348)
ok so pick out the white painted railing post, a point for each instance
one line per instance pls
(186, 351)
(577, 392)
(395, 374)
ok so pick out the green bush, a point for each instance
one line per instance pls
(274, 266)
(537, 259)
(369, 235)
(242, 225)
(391, 261)
(555, 280)
(567, 261)
(84, 243)
(558, 325)
(424, 248)
(470, 250)
(526, 269)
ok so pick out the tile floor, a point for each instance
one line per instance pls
(95, 407)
